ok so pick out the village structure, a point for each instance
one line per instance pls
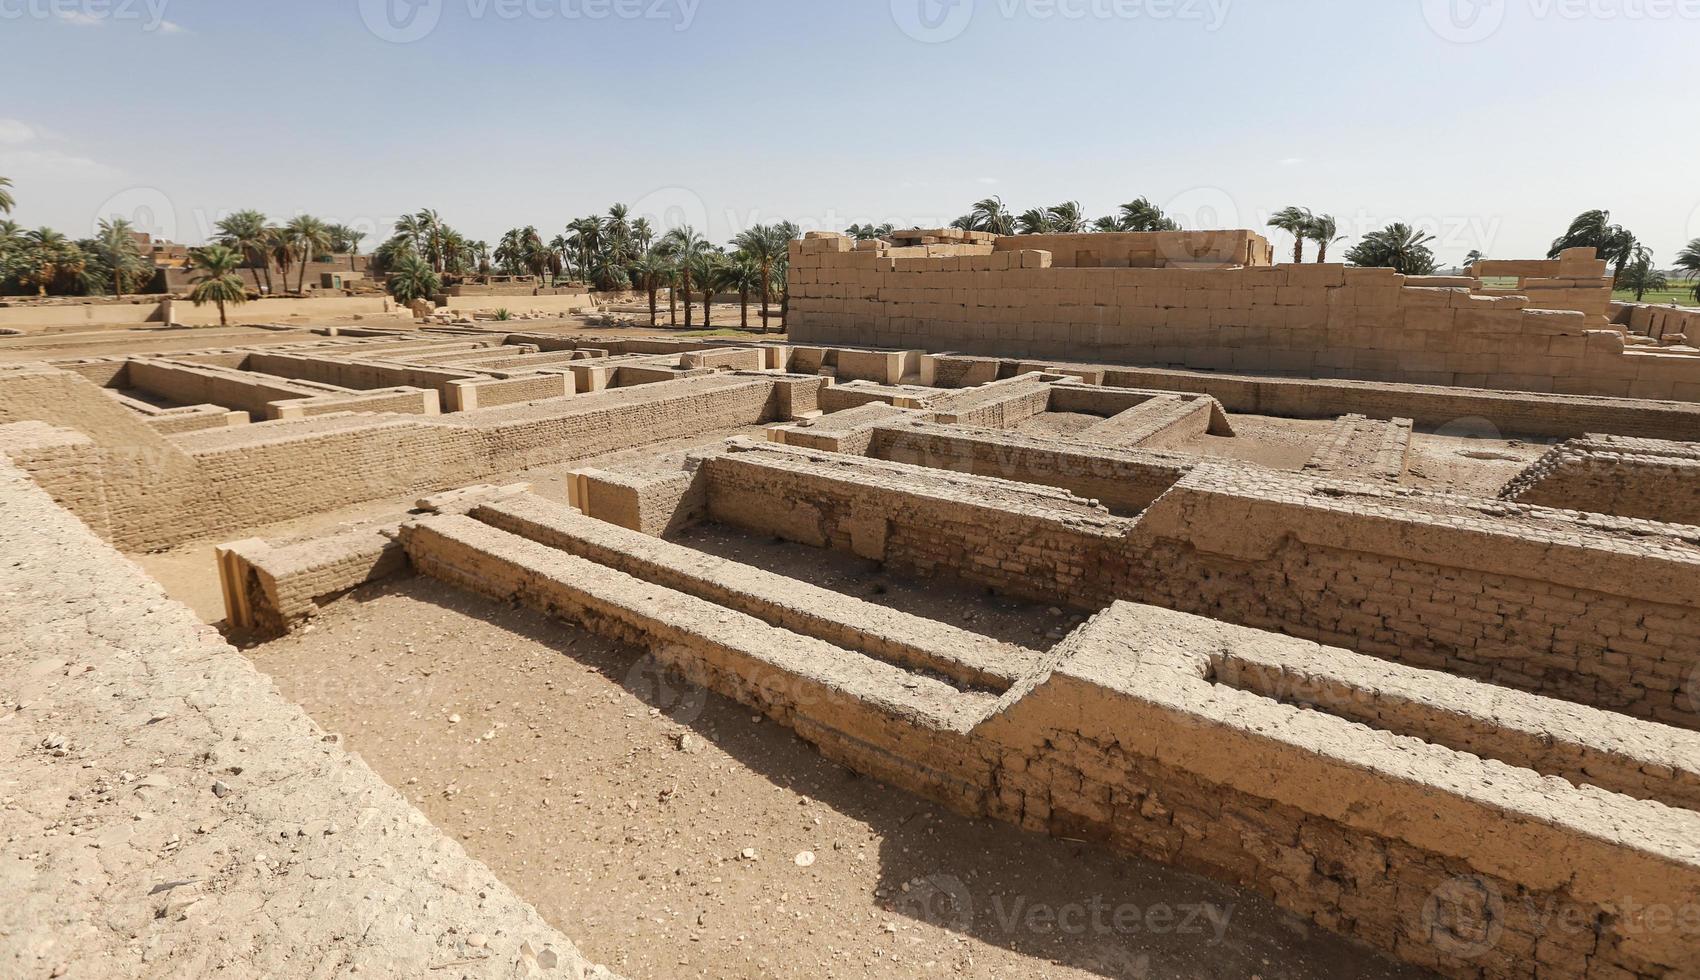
(1368, 600)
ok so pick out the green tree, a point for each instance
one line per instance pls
(1688, 260)
(768, 245)
(1641, 278)
(50, 262)
(1295, 221)
(707, 268)
(743, 274)
(7, 202)
(120, 255)
(246, 232)
(1136, 216)
(1473, 258)
(869, 232)
(1594, 229)
(988, 215)
(312, 239)
(413, 278)
(1324, 230)
(649, 272)
(216, 279)
(684, 245)
(1399, 247)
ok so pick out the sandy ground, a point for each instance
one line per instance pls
(674, 834)
(1278, 443)
(1457, 464)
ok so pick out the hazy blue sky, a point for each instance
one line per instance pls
(1491, 123)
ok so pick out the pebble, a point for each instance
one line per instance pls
(221, 789)
(804, 858)
(478, 940)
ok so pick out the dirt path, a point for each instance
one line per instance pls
(664, 826)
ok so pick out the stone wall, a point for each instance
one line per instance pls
(1648, 478)
(1303, 320)
(1552, 838)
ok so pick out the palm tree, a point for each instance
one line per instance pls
(648, 271)
(217, 281)
(1475, 256)
(1324, 230)
(50, 260)
(1641, 278)
(284, 250)
(431, 228)
(1688, 260)
(1594, 229)
(1033, 221)
(987, 215)
(1067, 218)
(413, 278)
(708, 268)
(767, 245)
(7, 202)
(1399, 247)
(410, 227)
(643, 236)
(683, 245)
(869, 232)
(246, 232)
(116, 247)
(1295, 221)
(1138, 215)
(311, 238)
(744, 274)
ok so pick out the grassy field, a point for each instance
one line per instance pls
(1680, 293)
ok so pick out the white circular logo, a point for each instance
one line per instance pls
(670, 209)
(932, 21)
(1203, 209)
(1464, 21)
(401, 21)
(659, 686)
(147, 209)
(938, 899)
(1465, 917)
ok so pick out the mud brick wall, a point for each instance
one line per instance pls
(269, 588)
(1125, 482)
(1303, 320)
(1026, 541)
(468, 395)
(1596, 614)
(144, 492)
(1649, 478)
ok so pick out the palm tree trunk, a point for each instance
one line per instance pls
(222, 321)
(266, 263)
(1321, 253)
(1298, 249)
(707, 309)
(254, 271)
(766, 290)
(744, 309)
(117, 284)
(301, 283)
(652, 305)
(685, 284)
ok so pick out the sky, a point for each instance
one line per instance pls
(1490, 123)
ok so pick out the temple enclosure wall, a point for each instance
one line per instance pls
(1649, 478)
(1267, 761)
(143, 491)
(1323, 321)
(1585, 608)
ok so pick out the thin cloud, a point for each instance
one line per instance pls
(81, 18)
(172, 27)
(15, 131)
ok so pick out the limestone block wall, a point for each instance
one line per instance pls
(1662, 322)
(144, 492)
(1304, 320)
(1648, 478)
(1589, 609)
(1552, 838)
(1146, 250)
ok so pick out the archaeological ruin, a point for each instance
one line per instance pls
(1372, 601)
